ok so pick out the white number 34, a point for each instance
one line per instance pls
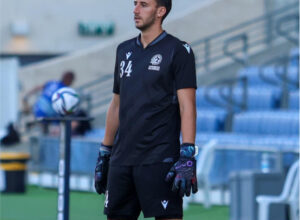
(127, 70)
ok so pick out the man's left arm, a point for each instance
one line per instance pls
(187, 105)
(183, 173)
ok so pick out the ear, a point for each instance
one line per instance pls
(161, 12)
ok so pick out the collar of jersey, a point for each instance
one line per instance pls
(155, 41)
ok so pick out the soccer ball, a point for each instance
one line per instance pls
(65, 101)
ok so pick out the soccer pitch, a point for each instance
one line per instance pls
(41, 204)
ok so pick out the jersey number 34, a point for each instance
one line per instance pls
(126, 70)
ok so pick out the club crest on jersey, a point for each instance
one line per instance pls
(128, 54)
(187, 47)
(155, 61)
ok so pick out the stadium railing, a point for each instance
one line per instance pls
(239, 42)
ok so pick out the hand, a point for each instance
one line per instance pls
(184, 172)
(101, 169)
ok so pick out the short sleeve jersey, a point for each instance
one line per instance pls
(147, 80)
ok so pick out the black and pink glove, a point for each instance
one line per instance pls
(184, 171)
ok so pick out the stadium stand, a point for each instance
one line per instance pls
(263, 123)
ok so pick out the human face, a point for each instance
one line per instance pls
(145, 13)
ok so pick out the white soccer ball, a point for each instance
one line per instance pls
(65, 101)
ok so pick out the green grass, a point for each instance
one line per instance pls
(41, 204)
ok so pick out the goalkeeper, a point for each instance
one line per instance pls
(141, 165)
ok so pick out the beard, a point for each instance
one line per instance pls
(148, 23)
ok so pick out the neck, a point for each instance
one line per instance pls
(147, 36)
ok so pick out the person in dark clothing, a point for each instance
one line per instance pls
(12, 137)
(142, 166)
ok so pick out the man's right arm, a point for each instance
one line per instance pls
(112, 120)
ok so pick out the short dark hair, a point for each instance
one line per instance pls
(68, 78)
(167, 4)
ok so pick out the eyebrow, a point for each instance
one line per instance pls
(142, 2)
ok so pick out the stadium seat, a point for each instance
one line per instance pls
(210, 120)
(289, 196)
(248, 140)
(227, 161)
(267, 122)
(294, 100)
(257, 98)
(254, 78)
(294, 57)
(270, 77)
(214, 94)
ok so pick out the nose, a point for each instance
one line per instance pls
(136, 9)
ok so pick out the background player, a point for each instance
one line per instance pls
(43, 106)
(154, 98)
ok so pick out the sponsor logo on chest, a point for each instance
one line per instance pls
(165, 204)
(155, 62)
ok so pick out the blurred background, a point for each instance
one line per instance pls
(247, 59)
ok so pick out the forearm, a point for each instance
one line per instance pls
(112, 123)
(187, 104)
(184, 170)
(188, 123)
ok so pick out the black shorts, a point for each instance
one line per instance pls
(132, 189)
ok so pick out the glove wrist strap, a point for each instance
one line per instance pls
(188, 150)
(105, 149)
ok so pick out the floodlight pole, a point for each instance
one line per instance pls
(64, 163)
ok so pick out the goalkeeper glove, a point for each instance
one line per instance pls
(184, 171)
(101, 169)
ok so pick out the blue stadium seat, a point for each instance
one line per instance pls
(294, 57)
(294, 100)
(235, 160)
(242, 139)
(270, 73)
(203, 103)
(254, 78)
(267, 122)
(257, 98)
(210, 120)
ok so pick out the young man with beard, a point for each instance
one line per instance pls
(141, 165)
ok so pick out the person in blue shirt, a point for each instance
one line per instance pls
(43, 107)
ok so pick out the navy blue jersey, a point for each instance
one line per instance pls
(147, 80)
